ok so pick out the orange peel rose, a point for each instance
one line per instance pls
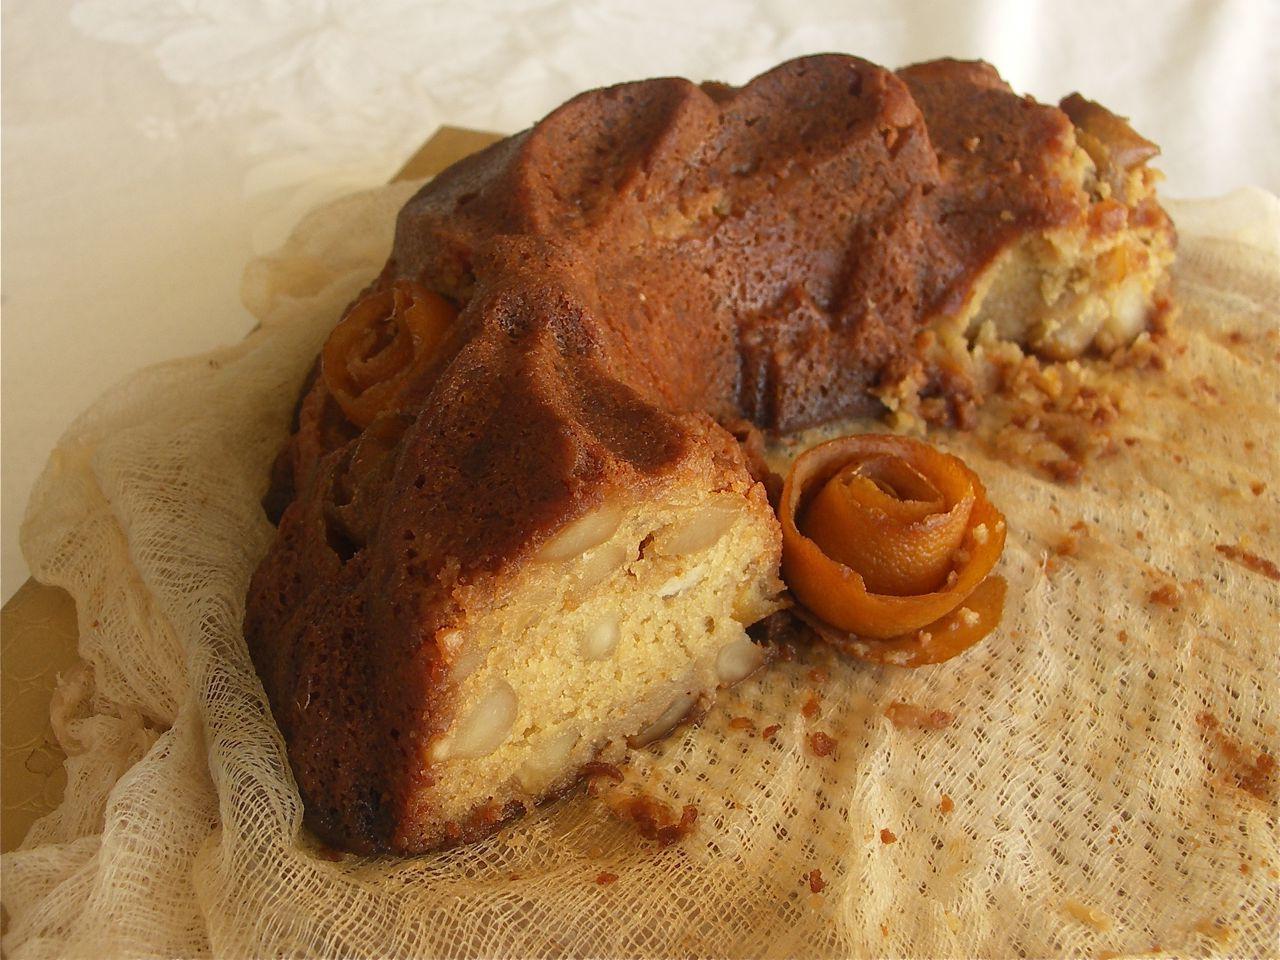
(888, 544)
(383, 337)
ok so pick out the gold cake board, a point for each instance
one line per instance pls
(38, 632)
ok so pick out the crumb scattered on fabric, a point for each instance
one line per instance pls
(654, 819)
(816, 883)
(628, 799)
(822, 744)
(1068, 545)
(1235, 764)
(1250, 561)
(908, 716)
(1056, 418)
(887, 836)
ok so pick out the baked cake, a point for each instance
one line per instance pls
(520, 524)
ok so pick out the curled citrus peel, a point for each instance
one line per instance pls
(383, 337)
(888, 545)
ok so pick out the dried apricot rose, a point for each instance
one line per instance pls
(382, 339)
(888, 545)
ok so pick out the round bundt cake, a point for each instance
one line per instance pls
(520, 522)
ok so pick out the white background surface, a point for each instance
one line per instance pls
(152, 146)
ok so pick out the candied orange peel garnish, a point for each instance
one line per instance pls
(888, 545)
(383, 337)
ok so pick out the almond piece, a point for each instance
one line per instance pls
(486, 726)
(738, 659)
(667, 721)
(700, 531)
(600, 638)
(547, 761)
(582, 534)
(600, 564)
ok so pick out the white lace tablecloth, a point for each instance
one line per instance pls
(152, 146)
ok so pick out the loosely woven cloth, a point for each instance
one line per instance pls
(1090, 779)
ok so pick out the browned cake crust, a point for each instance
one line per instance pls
(649, 262)
(999, 157)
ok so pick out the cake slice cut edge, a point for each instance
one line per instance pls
(1088, 284)
(627, 620)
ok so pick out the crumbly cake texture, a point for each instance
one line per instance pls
(552, 548)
